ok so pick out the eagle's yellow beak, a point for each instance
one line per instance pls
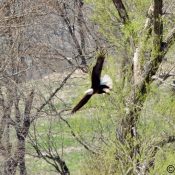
(107, 91)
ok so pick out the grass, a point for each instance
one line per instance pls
(96, 123)
(88, 124)
(165, 158)
(74, 161)
(38, 166)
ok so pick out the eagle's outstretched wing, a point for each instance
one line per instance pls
(96, 72)
(82, 102)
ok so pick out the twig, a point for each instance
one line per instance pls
(72, 132)
(52, 95)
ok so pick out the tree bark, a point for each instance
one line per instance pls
(121, 11)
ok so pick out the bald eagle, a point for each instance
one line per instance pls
(98, 85)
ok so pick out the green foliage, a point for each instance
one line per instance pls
(96, 122)
(157, 116)
(101, 164)
(96, 125)
(164, 158)
(106, 15)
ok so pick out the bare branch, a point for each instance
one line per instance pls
(71, 31)
(53, 94)
(161, 144)
(162, 81)
(51, 158)
(121, 10)
(169, 41)
(73, 133)
(14, 74)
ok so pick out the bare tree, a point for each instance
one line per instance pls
(37, 38)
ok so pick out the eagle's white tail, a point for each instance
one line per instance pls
(106, 80)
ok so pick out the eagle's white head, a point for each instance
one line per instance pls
(106, 80)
